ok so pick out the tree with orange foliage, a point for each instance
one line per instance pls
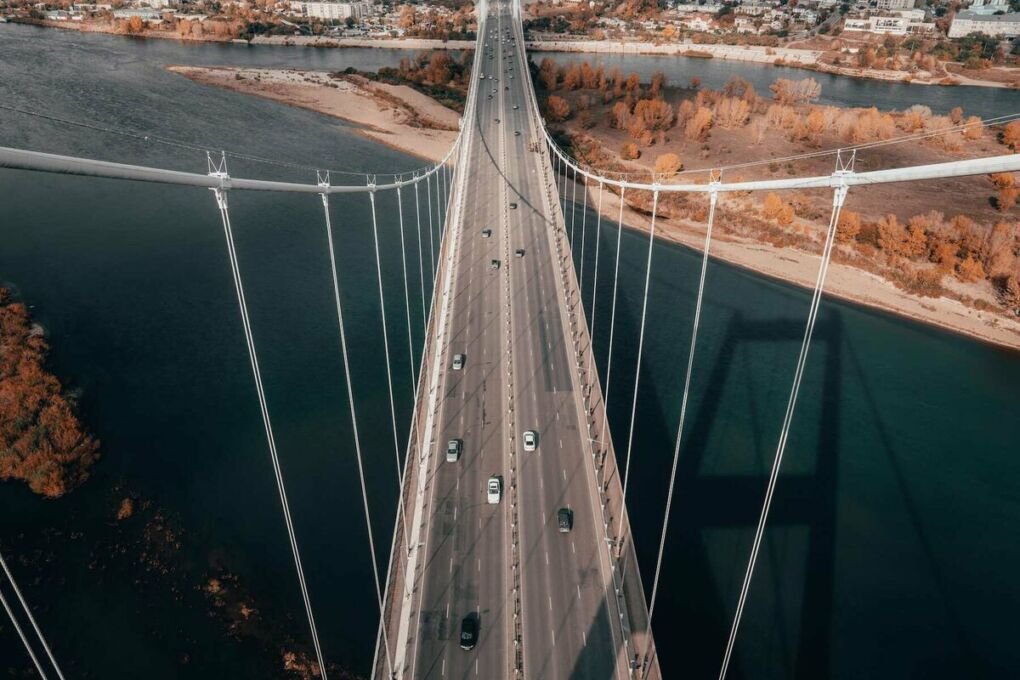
(619, 115)
(557, 109)
(970, 270)
(548, 74)
(1005, 182)
(731, 112)
(655, 113)
(796, 91)
(1011, 135)
(41, 440)
(973, 129)
(772, 205)
(698, 126)
(630, 151)
(849, 226)
(667, 165)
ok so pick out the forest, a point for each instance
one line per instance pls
(42, 442)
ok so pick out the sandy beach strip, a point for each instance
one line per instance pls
(846, 282)
(380, 119)
(395, 115)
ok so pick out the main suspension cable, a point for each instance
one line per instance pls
(221, 202)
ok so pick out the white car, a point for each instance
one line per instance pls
(530, 440)
(494, 489)
(458, 362)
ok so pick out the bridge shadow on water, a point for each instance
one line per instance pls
(721, 478)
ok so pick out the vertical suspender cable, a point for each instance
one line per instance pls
(837, 205)
(407, 292)
(421, 259)
(713, 199)
(641, 344)
(432, 236)
(595, 282)
(386, 352)
(573, 211)
(21, 634)
(354, 426)
(612, 314)
(31, 619)
(221, 202)
(566, 171)
(440, 199)
(584, 219)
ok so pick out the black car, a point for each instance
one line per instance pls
(565, 520)
(469, 631)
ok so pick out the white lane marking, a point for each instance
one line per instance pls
(447, 610)
(476, 665)
(547, 558)
(573, 549)
(579, 592)
(561, 443)
(550, 602)
(479, 564)
(444, 665)
(455, 513)
(564, 475)
(584, 638)
(451, 565)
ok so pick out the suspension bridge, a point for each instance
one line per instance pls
(512, 538)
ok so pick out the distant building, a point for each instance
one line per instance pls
(909, 21)
(336, 11)
(988, 6)
(897, 4)
(996, 25)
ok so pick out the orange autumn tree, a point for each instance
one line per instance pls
(41, 441)
(557, 108)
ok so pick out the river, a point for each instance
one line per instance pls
(892, 548)
(986, 102)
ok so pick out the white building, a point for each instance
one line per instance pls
(906, 22)
(988, 6)
(336, 11)
(897, 4)
(996, 25)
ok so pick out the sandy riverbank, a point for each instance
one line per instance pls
(846, 282)
(382, 121)
(395, 115)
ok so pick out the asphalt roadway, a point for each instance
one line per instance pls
(566, 616)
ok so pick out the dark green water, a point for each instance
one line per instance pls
(892, 548)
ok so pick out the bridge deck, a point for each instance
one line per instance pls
(525, 353)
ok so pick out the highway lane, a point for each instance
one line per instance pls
(466, 542)
(567, 631)
(567, 628)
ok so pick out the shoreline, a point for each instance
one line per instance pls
(791, 57)
(397, 116)
(790, 265)
(844, 282)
